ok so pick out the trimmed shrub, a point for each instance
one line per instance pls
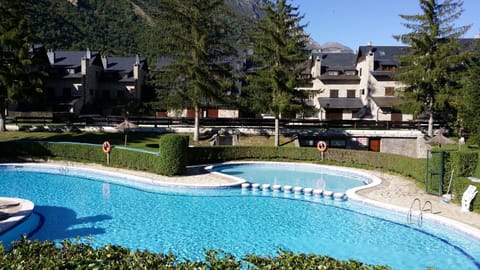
(173, 154)
(464, 163)
(120, 158)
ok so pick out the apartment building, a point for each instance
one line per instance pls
(354, 86)
(85, 82)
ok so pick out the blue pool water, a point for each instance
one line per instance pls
(184, 221)
(311, 176)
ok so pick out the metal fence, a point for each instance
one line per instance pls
(224, 122)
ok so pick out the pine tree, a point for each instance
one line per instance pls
(195, 39)
(469, 118)
(280, 52)
(429, 71)
(18, 77)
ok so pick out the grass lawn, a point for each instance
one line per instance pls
(142, 140)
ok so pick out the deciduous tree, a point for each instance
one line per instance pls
(430, 69)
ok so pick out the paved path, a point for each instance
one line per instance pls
(398, 191)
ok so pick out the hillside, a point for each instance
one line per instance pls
(120, 27)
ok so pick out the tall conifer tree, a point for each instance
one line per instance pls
(196, 41)
(468, 113)
(16, 80)
(280, 52)
(429, 71)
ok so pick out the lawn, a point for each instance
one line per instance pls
(142, 140)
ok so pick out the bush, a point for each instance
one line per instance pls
(173, 154)
(121, 158)
(28, 254)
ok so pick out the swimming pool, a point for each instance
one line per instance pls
(74, 202)
(295, 174)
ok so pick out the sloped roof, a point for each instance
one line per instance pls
(337, 60)
(340, 103)
(383, 52)
(122, 64)
(386, 102)
(70, 59)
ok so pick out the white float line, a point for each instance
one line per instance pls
(297, 190)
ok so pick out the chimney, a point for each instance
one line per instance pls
(136, 67)
(136, 71)
(84, 65)
(137, 60)
(105, 62)
(370, 60)
(317, 67)
(88, 55)
(51, 56)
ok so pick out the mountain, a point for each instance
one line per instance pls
(249, 8)
(124, 27)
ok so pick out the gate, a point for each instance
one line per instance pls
(435, 171)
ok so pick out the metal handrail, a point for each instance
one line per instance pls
(420, 211)
(410, 212)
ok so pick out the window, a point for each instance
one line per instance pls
(389, 91)
(333, 72)
(351, 93)
(355, 113)
(334, 93)
(362, 92)
(350, 72)
(360, 72)
(390, 68)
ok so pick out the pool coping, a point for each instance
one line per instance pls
(18, 213)
(376, 181)
(448, 222)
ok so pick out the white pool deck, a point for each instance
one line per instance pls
(392, 192)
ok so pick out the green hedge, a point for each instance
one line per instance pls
(47, 255)
(463, 164)
(173, 154)
(121, 158)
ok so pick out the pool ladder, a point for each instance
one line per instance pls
(421, 209)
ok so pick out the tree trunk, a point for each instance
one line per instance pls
(196, 127)
(430, 124)
(277, 131)
(3, 118)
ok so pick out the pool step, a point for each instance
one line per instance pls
(297, 190)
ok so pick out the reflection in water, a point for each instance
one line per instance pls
(106, 190)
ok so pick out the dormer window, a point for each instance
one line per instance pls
(333, 73)
(350, 72)
(388, 67)
(71, 71)
(125, 76)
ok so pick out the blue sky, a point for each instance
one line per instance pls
(357, 22)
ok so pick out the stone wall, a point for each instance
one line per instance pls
(412, 147)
